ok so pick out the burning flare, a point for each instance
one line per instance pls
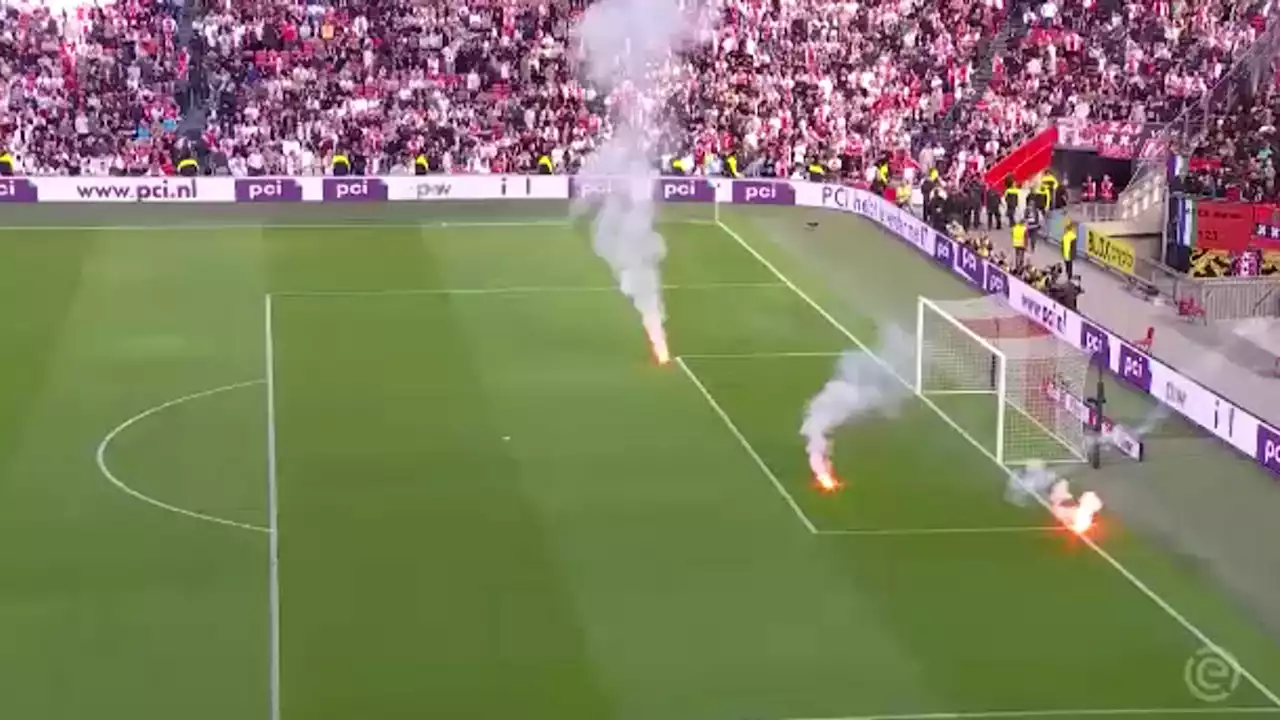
(1075, 514)
(657, 338)
(822, 474)
(1086, 508)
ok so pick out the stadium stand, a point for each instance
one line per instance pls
(489, 86)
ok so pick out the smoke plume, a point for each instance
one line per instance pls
(627, 50)
(860, 387)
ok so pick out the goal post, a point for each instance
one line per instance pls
(1002, 378)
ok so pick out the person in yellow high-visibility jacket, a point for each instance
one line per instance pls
(1012, 199)
(1069, 248)
(6, 164)
(1048, 188)
(731, 166)
(1019, 235)
(902, 195)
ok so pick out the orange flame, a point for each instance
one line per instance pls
(1086, 509)
(821, 466)
(657, 339)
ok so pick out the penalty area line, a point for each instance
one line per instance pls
(1134, 580)
(746, 445)
(1095, 712)
(214, 227)
(516, 290)
(914, 532)
(749, 356)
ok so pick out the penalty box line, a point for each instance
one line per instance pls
(518, 290)
(1134, 580)
(1083, 713)
(746, 445)
(790, 499)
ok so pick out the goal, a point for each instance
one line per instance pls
(1003, 379)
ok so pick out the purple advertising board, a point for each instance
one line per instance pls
(354, 189)
(996, 282)
(1096, 342)
(268, 190)
(755, 192)
(18, 190)
(1135, 368)
(1268, 448)
(944, 251)
(684, 190)
(970, 265)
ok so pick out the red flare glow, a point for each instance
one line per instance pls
(822, 475)
(1085, 511)
(827, 483)
(657, 339)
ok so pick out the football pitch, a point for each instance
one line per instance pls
(312, 466)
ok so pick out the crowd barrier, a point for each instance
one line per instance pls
(1213, 413)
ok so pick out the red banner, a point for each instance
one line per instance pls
(1112, 139)
(1225, 226)
(1266, 226)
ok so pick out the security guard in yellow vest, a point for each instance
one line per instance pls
(341, 165)
(882, 177)
(6, 164)
(1048, 188)
(902, 195)
(420, 165)
(188, 167)
(1019, 235)
(545, 166)
(817, 172)
(1069, 248)
(1012, 199)
(731, 166)
(679, 166)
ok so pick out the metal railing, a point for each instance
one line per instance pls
(1234, 297)
(1226, 298)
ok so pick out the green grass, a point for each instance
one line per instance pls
(492, 504)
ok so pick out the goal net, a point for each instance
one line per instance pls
(1007, 382)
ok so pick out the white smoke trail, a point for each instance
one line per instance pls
(860, 387)
(628, 46)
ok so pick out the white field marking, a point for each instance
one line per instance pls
(795, 507)
(1100, 712)
(1160, 602)
(101, 457)
(530, 290)
(747, 356)
(912, 532)
(300, 226)
(273, 516)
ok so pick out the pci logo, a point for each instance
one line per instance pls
(1135, 368)
(432, 191)
(16, 190)
(763, 193)
(995, 282)
(942, 251)
(1095, 342)
(1269, 448)
(354, 189)
(686, 190)
(139, 191)
(591, 188)
(1051, 318)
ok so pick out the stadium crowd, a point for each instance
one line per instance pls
(1233, 155)
(490, 85)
